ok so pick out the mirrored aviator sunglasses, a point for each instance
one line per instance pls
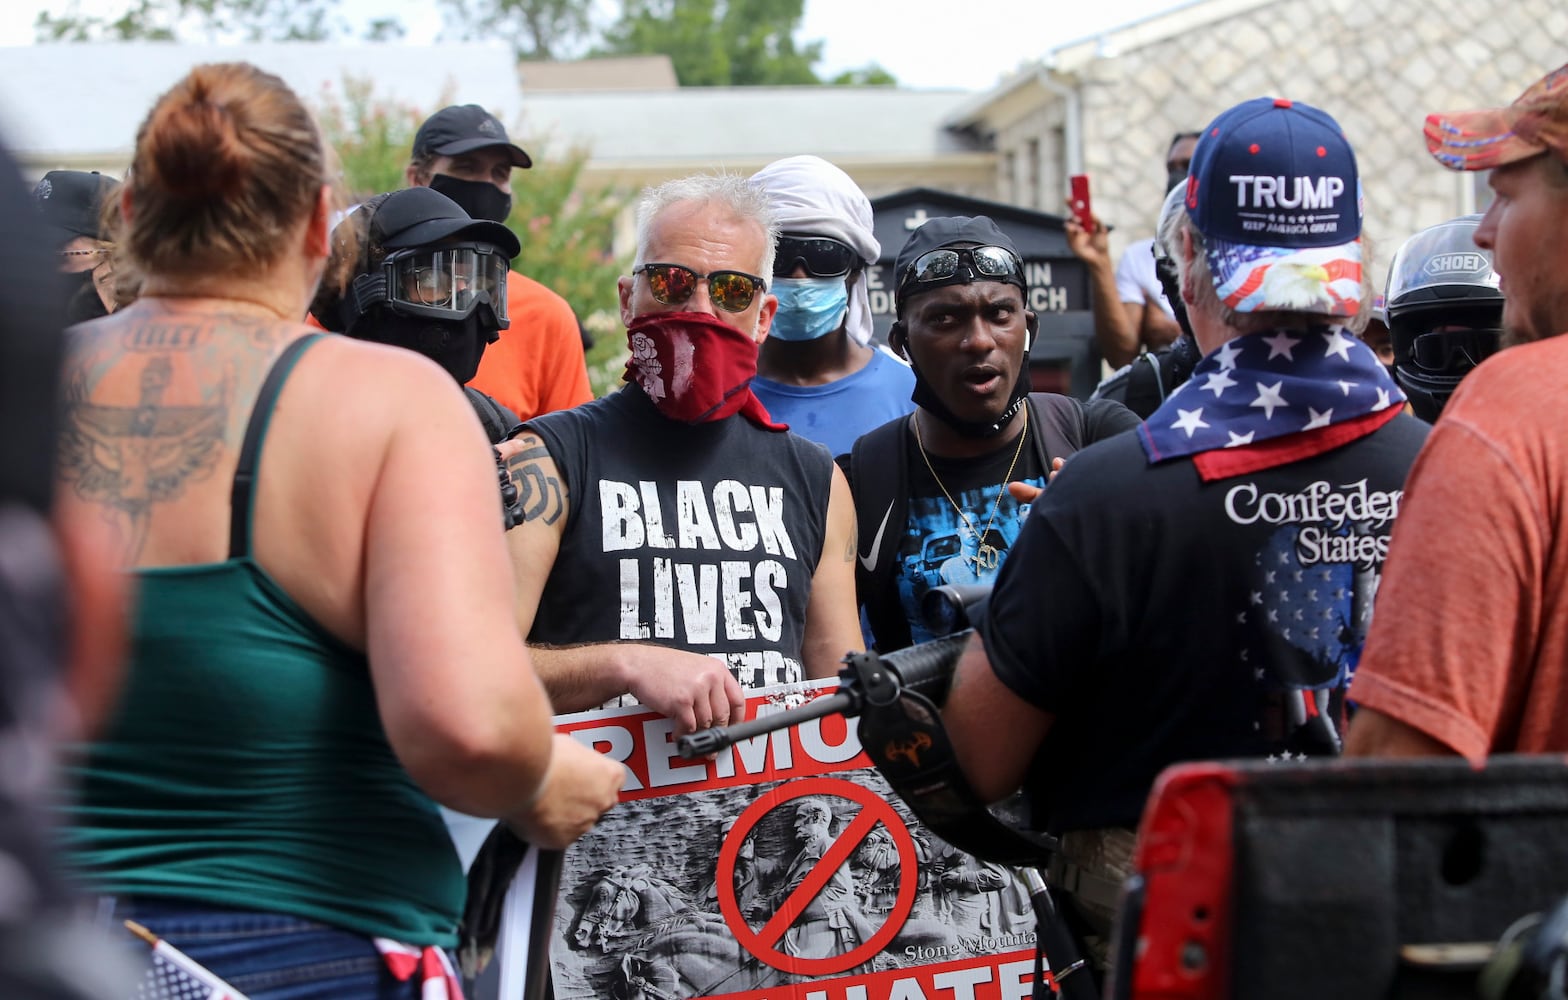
(942, 264)
(821, 256)
(675, 284)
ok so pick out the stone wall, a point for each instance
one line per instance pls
(1378, 66)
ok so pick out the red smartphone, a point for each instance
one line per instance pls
(1078, 204)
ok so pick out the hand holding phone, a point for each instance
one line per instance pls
(1078, 203)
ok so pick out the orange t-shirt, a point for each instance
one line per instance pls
(1469, 642)
(537, 366)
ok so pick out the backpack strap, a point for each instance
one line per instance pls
(1060, 424)
(878, 472)
(1146, 388)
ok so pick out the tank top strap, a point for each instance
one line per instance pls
(242, 499)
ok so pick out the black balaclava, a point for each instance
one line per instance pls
(480, 199)
(455, 345)
(926, 398)
(83, 302)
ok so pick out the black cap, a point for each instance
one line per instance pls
(418, 216)
(464, 127)
(951, 231)
(71, 202)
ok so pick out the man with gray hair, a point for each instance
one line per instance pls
(677, 544)
(1201, 588)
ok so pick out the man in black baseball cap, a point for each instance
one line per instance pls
(463, 152)
(931, 488)
(72, 203)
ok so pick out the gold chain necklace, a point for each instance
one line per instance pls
(986, 556)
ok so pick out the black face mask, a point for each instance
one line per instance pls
(926, 398)
(1165, 271)
(1173, 178)
(480, 199)
(456, 345)
(83, 302)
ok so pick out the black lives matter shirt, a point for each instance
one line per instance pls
(1162, 619)
(703, 538)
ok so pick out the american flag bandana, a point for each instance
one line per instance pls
(1322, 383)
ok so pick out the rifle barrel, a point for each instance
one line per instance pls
(712, 740)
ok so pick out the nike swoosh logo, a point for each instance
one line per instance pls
(870, 563)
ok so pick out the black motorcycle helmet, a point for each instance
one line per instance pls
(1444, 312)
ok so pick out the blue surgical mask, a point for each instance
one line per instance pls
(809, 308)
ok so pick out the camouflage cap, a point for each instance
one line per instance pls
(1536, 123)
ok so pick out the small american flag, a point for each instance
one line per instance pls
(174, 975)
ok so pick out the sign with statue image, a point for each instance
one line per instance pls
(784, 868)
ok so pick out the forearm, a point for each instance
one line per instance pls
(694, 690)
(832, 616)
(582, 677)
(492, 764)
(1158, 328)
(832, 633)
(978, 708)
(1116, 337)
(1373, 734)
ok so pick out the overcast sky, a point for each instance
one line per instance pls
(966, 44)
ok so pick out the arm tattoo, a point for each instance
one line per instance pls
(542, 497)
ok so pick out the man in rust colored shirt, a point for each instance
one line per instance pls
(1468, 649)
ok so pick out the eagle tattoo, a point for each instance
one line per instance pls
(131, 457)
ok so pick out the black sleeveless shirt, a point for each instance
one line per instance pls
(703, 538)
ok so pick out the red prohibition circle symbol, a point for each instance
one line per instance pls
(764, 943)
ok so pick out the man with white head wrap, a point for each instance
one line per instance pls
(817, 371)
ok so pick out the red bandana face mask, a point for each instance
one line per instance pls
(694, 367)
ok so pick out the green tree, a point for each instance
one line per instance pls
(537, 29)
(209, 20)
(711, 42)
(870, 75)
(372, 137)
(718, 43)
(566, 228)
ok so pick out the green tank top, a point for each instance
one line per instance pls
(246, 765)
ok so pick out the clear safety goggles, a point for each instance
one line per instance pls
(447, 283)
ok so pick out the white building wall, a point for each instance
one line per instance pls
(1378, 66)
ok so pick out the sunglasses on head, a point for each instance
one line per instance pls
(674, 284)
(984, 262)
(821, 256)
